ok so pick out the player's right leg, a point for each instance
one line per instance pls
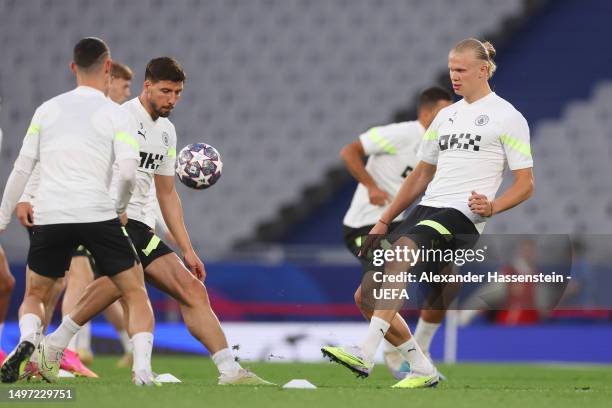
(116, 258)
(115, 315)
(360, 359)
(169, 274)
(7, 283)
(48, 258)
(165, 270)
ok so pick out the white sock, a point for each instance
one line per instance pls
(124, 339)
(388, 347)
(143, 348)
(29, 327)
(424, 334)
(63, 334)
(376, 333)
(72, 344)
(412, 353)
(83, 338)
(225, 362)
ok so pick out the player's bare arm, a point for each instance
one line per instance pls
(352, 154)
(415, 184)
(521, 190)
(172, 211)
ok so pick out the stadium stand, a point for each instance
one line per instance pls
(569, 117)
(572, 153)
(277, 120)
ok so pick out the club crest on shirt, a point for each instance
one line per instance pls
(165, 138)
(481, 120)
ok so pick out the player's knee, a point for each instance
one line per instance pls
(194, 293)
(357, 297)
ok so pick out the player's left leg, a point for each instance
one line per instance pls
(169, 274)
(7, 283)
(78, 353)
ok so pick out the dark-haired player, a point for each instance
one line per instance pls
(77, 137)
(162, 89)
(81, 273)
(392, 155)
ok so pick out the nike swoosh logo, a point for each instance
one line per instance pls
(412, 349)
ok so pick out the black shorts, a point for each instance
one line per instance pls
(53, 246)
(148, 245)
(448, 228)
(80, 251)
(354, 238)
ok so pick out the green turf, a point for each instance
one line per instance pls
(469, 385)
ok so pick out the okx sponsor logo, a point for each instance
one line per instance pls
(463, 141)
(150, 161)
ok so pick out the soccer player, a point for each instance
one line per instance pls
(162, 89)
(80, 274)
(392, 155)
(7, 283)
(76, 137)
(462, 159)
(120, 81)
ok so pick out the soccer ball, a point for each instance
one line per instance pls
(199, 166)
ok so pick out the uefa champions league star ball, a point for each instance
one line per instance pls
(199, 166)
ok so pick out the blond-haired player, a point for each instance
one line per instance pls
(462, 160)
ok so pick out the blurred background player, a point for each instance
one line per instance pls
(392, 155)
(120, 81)
(462, 161)
(73, 207)
(82, 267)
(81, 273)
(7, 283)
(162, 89)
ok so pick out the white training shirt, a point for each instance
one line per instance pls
(471, 143)
(392, 152)
(157, 141)
(76, 137)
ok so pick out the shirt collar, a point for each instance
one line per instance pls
(143, 111)
(88, 90)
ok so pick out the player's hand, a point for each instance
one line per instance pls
(123, 219)
(373, 238)
(195, 265)
(378, 196)
(480, 204)
(25, 214)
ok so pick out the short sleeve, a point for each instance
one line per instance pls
(429, 149)
(169, 161)
(515, 140)
(125, 144)
(31, 142)
(387, 139)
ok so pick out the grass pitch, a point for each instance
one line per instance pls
(469, 385)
